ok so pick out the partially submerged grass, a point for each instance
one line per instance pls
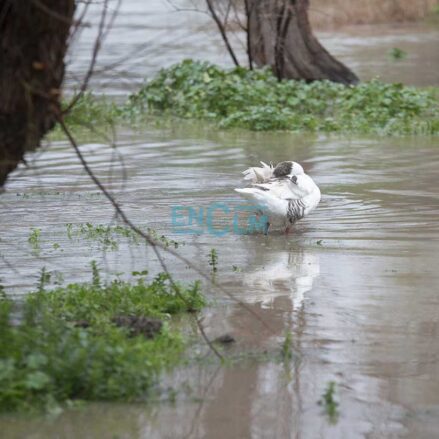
(213, 260)
(92, 112)
(34, 240)
(89, 341)
(287, 347)
(103, 236)
(330, 405)
(108, 236)
(397, 54)
(258, 101)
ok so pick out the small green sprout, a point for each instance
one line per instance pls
(213, 260)
(329, 403)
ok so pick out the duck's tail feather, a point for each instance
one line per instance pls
(259, 174)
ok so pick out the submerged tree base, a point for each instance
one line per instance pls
(89, 342)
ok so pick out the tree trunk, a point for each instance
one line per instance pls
(281, 37)
(33, 42)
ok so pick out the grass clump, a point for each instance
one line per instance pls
(90, 111)
(258, 101)
(213, 260)
(89, 341)
(287, 346)
(330, 405)
(107, 237)
(34, 240)
(396, 54)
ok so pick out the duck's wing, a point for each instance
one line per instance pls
(292, 198)
(259, 174)
(265, 200)
(285, 189)
(273, 196)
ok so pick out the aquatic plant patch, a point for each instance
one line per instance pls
(90, 341)
(256, 100)
(107, 237)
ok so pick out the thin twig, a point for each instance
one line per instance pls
(223, 32)
(93, 61)
(248, 11)
(154, 244)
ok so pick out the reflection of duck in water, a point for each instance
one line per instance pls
(290, 273)
(284, 193)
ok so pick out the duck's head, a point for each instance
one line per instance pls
(287, 170)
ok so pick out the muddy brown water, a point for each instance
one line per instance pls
(356, 283)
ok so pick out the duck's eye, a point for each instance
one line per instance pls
(294, 179)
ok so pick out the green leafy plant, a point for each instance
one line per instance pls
(397, 53)
(86, 343)
(257, 100)
(96, 278)
(329, 403)
(108, 237)
(213, 260)
(90, 111)
(287, 350)
(43, 280)
(34, 239)
(3, 294)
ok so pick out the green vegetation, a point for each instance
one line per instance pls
(89, 341)
(397, 53)
(213, 260)
(287, 349)
(107, 237)
(91, 112)
(329, 403)
(34, 240)
(258, 101)
(43, 280)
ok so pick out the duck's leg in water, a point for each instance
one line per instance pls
(267, 226)
(260, 217)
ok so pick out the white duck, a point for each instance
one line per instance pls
(284, 193)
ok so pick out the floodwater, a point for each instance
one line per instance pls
(149, 35)
(356, 283)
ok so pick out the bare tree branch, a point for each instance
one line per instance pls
(154, 243)
(248, 30)
(222, 31)
(96, 48)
